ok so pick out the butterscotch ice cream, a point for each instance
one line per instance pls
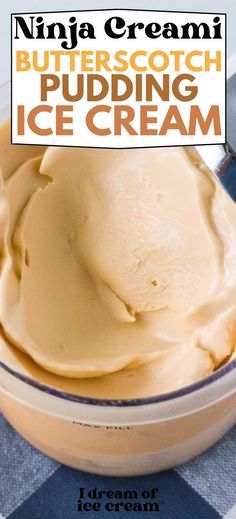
(117, 267)
(117, 282)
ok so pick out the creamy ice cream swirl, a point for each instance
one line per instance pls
(118, 261)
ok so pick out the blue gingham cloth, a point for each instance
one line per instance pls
(33, 486)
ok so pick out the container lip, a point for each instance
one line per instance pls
(99, 402)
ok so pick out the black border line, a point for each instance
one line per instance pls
(118, 9)
(130, 402)
(128, 147)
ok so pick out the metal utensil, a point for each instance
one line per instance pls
(221, 159)
(231, 113)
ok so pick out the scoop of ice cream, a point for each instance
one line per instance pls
(118, 258)
(144, 227)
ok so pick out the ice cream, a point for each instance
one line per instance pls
(118, 266)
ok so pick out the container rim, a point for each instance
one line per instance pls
(101, 402)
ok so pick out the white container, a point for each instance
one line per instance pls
(119, 437)
(122, 437)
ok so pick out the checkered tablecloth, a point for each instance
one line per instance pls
(33, 486)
